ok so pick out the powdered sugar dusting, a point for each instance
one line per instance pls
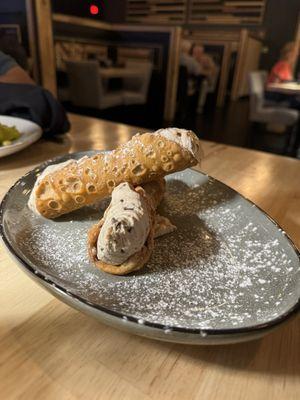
(226, 265)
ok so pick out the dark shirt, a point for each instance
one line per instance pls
(34, 103)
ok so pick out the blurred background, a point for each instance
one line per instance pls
(226, 69)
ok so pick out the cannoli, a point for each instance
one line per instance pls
(123, 230)
(123, 240)
(144, 158)
(155, 190)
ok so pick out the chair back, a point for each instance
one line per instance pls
(86, 88)
(259, 112)
(257, 82)
(140, 83)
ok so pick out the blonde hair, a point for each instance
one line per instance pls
(287, 48)
(186, 46)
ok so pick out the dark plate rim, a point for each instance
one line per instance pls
(208, 332)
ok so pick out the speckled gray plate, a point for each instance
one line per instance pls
(228, 274)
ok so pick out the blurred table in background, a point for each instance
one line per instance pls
(120, 72)
(291, 88)
(51, 351)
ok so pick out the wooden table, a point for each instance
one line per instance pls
(126, 72)
(291, 88)
(50, 351)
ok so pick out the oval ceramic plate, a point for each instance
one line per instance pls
(228, 273)
(30, 133)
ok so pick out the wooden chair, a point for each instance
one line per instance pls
(87, 88)
(135, 90)
(269, 115)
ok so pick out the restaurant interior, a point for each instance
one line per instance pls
(132, 62)
(149, 199)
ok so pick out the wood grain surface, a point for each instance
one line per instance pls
(50, 351)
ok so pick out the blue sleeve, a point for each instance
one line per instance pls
(6, 63)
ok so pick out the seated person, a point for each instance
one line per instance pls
(187, 60)
(282, 72)
(195, 76)
(207, 65)
(21, 97)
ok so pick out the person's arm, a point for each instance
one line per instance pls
(209, 67)
(276, 79)
(194, 67)
(11, 72)
(16, 75)
(191, 64)
(282, 73)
